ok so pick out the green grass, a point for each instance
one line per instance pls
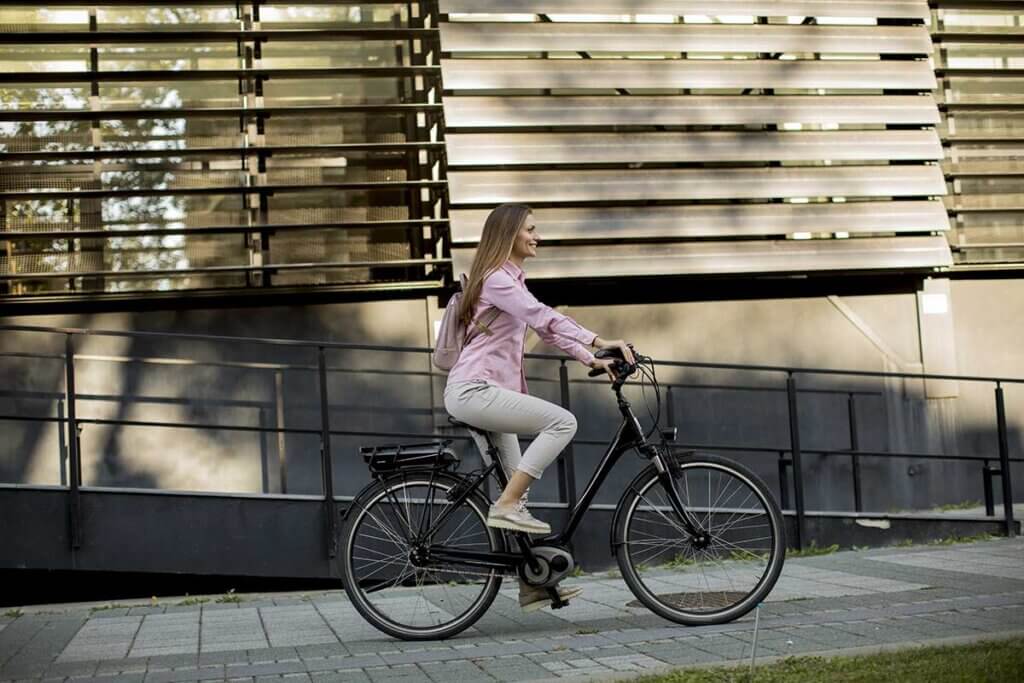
(948, 540)
(112, 605)
(963, 505)
(994, 662)
(188, 602)
(230, 597)
(679, 562)
(813, 550)
(13, 613)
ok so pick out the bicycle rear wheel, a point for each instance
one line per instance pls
(700, 581)
(392, 580)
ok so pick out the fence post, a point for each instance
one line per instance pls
(1004, 463)
(858, 504)
(986, 482)
(566, 464)
(75, 464)
(783, 483)
(670, 407)
(62, 445)
(798, 477)
(327, 469)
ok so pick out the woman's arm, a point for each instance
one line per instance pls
(553, 327)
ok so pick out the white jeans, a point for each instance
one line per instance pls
(504, 414)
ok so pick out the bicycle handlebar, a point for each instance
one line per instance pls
(621, 367)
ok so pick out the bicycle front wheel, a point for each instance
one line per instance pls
(387, 568)
(698, 581)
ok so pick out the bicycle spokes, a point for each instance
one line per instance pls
(396, 570)
(711, 571)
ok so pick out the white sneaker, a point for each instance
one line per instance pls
(502, 517)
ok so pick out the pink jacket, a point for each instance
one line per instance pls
(498, 357)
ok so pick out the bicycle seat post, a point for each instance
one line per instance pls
(492, 453)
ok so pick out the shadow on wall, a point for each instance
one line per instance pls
(374, 395)
(168, 380)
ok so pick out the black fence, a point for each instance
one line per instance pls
(789, 457)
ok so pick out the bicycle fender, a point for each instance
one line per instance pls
(354, 503)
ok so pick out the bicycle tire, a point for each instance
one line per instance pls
(356, 582)
(704, 600)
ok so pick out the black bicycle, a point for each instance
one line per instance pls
(699, 539)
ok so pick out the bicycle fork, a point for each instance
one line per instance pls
(699, 535)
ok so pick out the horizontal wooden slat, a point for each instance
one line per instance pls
(490, 149)
(979, 34)
(762, 256)
(983, 100)
(495, 187)
(679, 110)
(159, 75)
(728, 220)
(901, 9)
(181, 34)
(985, 203)
(628, 37)
(990, 169)
(406, 109)
(479, 74)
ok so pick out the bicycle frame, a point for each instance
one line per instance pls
(627, 437)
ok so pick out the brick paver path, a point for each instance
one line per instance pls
(846, 600)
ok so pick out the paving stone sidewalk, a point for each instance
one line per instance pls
(843, 601)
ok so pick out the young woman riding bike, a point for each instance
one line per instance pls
(487, 385)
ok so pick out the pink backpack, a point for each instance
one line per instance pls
(452, 335)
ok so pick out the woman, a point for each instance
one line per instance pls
(487, 386)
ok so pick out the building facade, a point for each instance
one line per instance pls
(806, 184)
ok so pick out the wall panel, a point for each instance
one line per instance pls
(795, 136)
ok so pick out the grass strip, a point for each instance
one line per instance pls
(996, 661)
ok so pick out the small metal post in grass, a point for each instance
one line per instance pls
(753, 644)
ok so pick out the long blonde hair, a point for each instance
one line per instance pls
(496, 242)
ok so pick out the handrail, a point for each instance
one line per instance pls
(282, 341)
(789, 456)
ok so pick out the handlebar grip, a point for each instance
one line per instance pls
(595, 372)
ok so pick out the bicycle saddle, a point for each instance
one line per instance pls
(457, 423)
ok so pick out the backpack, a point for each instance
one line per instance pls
(452, 335)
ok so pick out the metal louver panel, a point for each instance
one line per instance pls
(573, 148)
(708, 258)
(769, 126)
(682, 110)
(716, 220)
(980, 54)
(606, 74)
(228, 148)
(621, 37)
(493, 187)
(893, 9)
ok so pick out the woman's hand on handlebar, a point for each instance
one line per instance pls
(606, 364)
(627, 352)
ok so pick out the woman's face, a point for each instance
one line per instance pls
(526, 241)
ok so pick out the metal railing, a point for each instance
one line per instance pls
(790, 456)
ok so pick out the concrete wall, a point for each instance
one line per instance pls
(878, 333)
